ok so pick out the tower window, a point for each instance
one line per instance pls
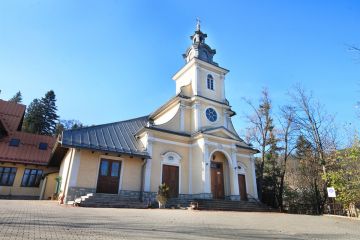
(210, 82)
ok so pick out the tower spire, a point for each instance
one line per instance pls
(197, 24)
(199, 49)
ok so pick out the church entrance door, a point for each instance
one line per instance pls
(242, 187)
(217, 180)
(170, 176)
(109, 176)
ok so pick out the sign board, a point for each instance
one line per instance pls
(331, 192)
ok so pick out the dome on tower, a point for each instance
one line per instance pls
(199, 49)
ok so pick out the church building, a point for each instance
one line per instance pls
(189, 143)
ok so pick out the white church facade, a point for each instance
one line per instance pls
(189, 143)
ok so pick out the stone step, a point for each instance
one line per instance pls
(227, 205)
(115, 205)
(110, 201)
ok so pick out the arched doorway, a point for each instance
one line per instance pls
(219, 175)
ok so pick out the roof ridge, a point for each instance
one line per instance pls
(106, 124)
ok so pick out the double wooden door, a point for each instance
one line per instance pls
(217, 180)
(170, 176)
(109, 176)
(242, 187)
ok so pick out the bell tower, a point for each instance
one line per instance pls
(201, 76)
(203, 81)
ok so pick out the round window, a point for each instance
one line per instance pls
(211, 114)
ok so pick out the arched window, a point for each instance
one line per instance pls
(210, 82)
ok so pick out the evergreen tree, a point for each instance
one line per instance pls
(50, 118)
(271, 181)
(17, 98)
(33, 120)
(41, 117)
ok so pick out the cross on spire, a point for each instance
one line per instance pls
(198, 24)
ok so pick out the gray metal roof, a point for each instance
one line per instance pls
(118, 137)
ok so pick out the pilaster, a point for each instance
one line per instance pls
(206, 168)
(253, 173)
(222, 80)
(197, 116)
(182, 117)
(147, 174)
(226, 119)
(234, 174)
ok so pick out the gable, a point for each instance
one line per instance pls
(3, 131)
(221, 132)
(11, 115)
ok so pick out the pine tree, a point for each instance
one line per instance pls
(33, 120)
(17, 98)
(50, 118)
(271, 172)
(41, 117)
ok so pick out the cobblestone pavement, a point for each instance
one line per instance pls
(47, 220)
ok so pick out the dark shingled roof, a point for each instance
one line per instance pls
(118, 137)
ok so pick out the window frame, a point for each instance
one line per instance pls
(11, 172)
(210, 82)
(216, 114)
(14, 142)
(36, 177)
(43, 146)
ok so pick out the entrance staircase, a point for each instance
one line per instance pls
(219, 204)
(102, 200)
(227, 205)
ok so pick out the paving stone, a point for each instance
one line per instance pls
(47, 220)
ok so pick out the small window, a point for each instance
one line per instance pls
(210, 82)
(43, 146)
(14, 142)
(31, 178)
(7, 176)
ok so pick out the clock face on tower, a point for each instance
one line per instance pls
(211, 114)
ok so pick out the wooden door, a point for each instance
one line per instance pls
(217, 180)
(242, 187)
(109, 176)
(170, 176)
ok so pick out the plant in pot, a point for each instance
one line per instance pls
(162, 195)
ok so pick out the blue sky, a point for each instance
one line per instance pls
(113, 60)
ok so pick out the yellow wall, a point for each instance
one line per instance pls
(197, 158)
(16, 189)
(89, 169)
(50, 187)
(174, 123)
(64, 166)
(215, 94)
(159, 149)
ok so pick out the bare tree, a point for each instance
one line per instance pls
(287, 141)
(261, 125)
(317, 127)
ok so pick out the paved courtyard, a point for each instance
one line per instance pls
(47, 220)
